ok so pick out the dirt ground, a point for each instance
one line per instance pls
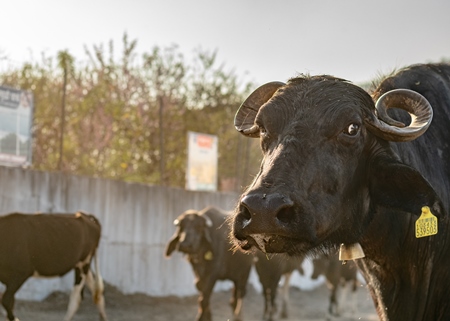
(304, 305)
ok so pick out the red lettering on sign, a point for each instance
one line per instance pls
(204, 141)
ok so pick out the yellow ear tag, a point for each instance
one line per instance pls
(208, 256)
(426, 224)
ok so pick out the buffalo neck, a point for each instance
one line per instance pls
(407, 277)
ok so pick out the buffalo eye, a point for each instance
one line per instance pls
(352, 130)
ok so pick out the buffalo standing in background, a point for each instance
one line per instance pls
(270, 269)
(337, 275)
(203, 237)
(338, 168)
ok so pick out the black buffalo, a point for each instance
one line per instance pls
(341, 166)
(270, 269)
(203, 237)
(50, 245)
(338, 276)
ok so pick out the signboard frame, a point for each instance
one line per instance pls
(16, 120)
(202, 162)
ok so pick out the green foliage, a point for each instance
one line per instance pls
(128, 118)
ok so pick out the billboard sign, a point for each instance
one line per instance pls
(16, 112)
(201, 173)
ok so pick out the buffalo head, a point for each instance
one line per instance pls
(328, 164)
(192, 235)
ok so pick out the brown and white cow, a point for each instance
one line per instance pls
(50, 245)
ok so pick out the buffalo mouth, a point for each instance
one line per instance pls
(188, 250)
(273, 243)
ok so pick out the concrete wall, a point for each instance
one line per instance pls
(137, 221)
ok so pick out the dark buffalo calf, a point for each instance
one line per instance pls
(203, 237)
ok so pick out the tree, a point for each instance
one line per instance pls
(214, 95)
(128, 118)
(165, 72)
(65, 62)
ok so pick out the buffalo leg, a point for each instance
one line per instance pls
(8, 296)
(239, 292)
(236, 303)
(333, 308)
(285, 296)
(266, 295)
(273, 303)
(204, 313)
(268, 304)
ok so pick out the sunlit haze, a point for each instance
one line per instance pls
(261, 40)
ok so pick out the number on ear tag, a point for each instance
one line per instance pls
(426, 224)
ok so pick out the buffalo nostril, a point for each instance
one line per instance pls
(284, 215)
(268, 206)
(244, 212)
(244, 217)
(241, 221)
(262, 215)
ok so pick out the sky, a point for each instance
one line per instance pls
(260, 40)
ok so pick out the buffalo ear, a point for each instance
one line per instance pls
(244, 120)
(399, 186)
(172, 244)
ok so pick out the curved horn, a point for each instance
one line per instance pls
(244, 121)
(414, 103)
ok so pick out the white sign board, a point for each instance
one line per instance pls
(16, 110)
(201, 173)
